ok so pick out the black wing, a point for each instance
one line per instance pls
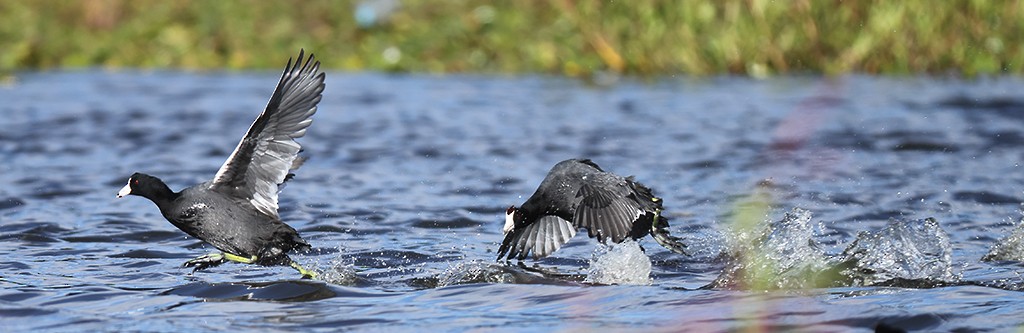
(263, 158)
(542, 237)
(607, 207)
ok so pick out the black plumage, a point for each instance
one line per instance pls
(577, 193)
(236, 212)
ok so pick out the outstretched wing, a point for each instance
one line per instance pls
(607, 211)
(262, 159)
(542, 237)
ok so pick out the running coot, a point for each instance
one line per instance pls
(577, 194)
(236, 212)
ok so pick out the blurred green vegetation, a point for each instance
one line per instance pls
(575, 38)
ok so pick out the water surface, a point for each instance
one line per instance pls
(404, 193)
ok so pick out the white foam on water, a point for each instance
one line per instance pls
(790, 246)
(470, 271)
(783, 255)
(906, 249)
(340, 270)
(1009, 248)
(623, 263)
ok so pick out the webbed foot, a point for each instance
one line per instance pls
(659, 230)
(206, 261)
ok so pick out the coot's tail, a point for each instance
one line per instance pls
(659, 230)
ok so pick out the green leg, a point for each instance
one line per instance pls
(659, 230)
(306, 274)
(238, 258)
(214, 259)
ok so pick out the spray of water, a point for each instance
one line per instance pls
(1010, 248)
(903, 249)
(783, 255)
(340, 271)
(474, 271)
(624, 263)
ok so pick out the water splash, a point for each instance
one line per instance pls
(474, 271)
(905, 250)
(784, 255)
(623, 263)
(341, 271)
(1010, 248)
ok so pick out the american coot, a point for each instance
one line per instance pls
(236, 212)
(577, 194)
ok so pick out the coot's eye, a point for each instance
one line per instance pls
(135, 182)
(510, 210)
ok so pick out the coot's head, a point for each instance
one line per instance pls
(143, 185)
(512, 216)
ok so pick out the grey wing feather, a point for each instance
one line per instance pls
(606, 211)
(262, 160)
(543, 237)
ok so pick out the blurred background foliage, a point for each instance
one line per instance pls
(574, 38)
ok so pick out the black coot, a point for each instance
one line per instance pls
(236, 212)
(577, 194)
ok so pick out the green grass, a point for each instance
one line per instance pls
(575, 38)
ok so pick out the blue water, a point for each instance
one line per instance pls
(409, 175)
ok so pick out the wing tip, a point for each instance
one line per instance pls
(311, 65)
(296, 66)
